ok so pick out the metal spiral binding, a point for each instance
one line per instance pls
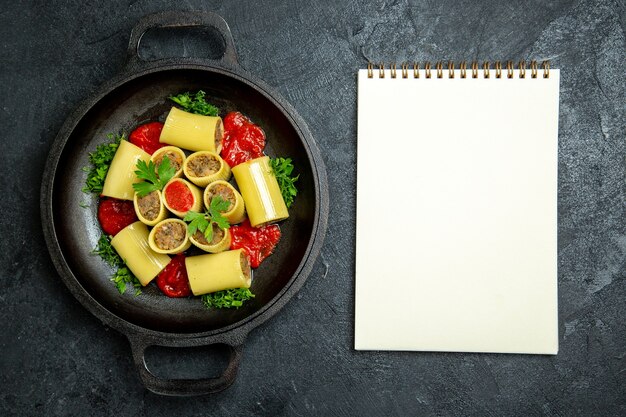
(439, 70)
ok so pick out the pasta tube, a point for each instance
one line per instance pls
(169, 236)
(260, 191)
(150, 208)
(204, 167)
(192, 131)
(218, 271)
(237, 210)
(181, 196)
(174, 154)
(121, 174)
(220, 242)
(131, 243)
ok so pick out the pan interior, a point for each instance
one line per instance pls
(144, 99)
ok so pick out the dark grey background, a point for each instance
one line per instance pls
(57, 359)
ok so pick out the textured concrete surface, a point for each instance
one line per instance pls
(57, 359)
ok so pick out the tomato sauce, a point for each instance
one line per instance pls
(173, 280)
(114, 215)
(147, 137)
(242, 141)
(258, 242)
(178, 196)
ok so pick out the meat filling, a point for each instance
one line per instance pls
(218, 235)
(245, 264)
(219, 133)
(176, 160)
(223, 191)
(203, 165)
(170, 235)
(149, 205)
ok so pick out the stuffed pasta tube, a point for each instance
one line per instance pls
(260, 191)
(236, 212)
(150, 208)
(131, 243)
(218, 271)
(121, 175)
(181, 196)
(220, 240)
(174, 154)
(204, 167)
(194, 132)
(169, 236)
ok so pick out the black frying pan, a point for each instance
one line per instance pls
(139, 95)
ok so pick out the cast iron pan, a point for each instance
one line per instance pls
(139, 94)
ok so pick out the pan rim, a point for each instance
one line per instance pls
(243, 326)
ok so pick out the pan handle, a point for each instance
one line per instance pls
(183, 387)
(181, 19)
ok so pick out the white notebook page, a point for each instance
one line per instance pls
(456, 229)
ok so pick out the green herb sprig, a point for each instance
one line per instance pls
(204, 221)
(195, 103)
(155, 177)
(100, 161)
(233, 298)
(122, 276)
(283, 169)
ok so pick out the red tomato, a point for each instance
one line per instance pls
(114, 214)
(147, 137)
(242, 141)
(173, 281)
(178, 196)
(258, 242)
(234, 120)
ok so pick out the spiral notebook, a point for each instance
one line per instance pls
(456, 225)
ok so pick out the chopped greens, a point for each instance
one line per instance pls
(195, 103)
(204, 221)
(155, 178)
(100, 160)
(106, 251)
(283, 168)
(122, 276)
(233, 298)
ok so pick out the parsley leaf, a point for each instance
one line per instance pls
(195, 103)
(204, 221)
(218, 206)
(155, 178)
(122, 276)
(233, 298)
(283, 168)
(197, 221)
(100, 161)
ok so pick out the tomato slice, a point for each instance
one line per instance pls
(173, 280)
(115, 214)
(147, 137)
(258, 242)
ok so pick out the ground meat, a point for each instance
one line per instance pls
(203, 165)
(170, 235)
(149, 205)
(175, 159)
(245, 265)
(223, 191)
(218, 235)
(219, 134)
